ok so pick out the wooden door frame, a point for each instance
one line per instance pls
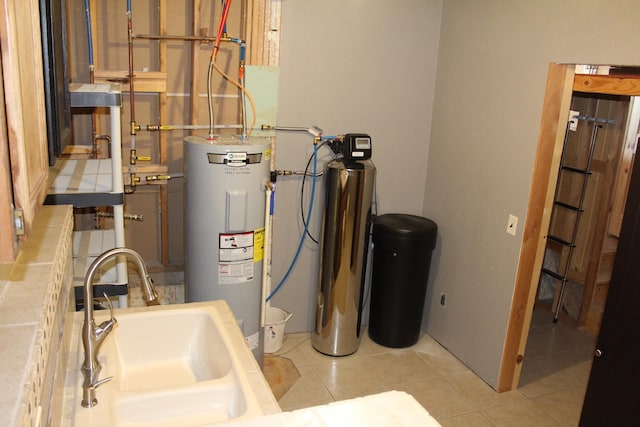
(557, 100)
(561, 82)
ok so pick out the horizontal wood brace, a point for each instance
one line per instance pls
(607, 84)
(145, 81)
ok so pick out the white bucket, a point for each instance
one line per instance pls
(275, 322)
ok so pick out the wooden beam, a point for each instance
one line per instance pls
(195, 65)
(146, 81)
(613, 139)
(8, 244)
(25, 113)
(94, 25)
(263, 32)
(255, 31)
(162, 136)
(162, 66)
(97, 149)
(143, 171)
(624, 170)
(609, 85)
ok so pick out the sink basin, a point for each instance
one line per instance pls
(171, 365)
(177, 348)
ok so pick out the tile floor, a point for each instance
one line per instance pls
(551, 391)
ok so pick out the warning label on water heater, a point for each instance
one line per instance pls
(235, 258)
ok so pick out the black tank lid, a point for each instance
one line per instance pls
(404, 226)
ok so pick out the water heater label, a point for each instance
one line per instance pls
(258, 244)
(236, 258)
(236, 241)
(235, 272)
(253, 340)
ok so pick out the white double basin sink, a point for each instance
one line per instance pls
(175, 365)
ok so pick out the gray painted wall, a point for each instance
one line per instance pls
(492, 70)
(351, 66)
(371, 67)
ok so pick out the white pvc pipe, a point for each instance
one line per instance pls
(117, 186)
(266, 257)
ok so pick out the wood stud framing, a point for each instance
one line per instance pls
(260, 25)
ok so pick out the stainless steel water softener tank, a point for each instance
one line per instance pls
(345, 237)
(224, 226)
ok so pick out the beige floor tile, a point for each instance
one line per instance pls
(553, 338)
(306, 391)
(402, 366)
(555, 372)
(314, 357)
(444, 363)
(289, 408)
(550, 384)
(541, 318)
(438, 397)
(474, 419)
(480, 393)
(368, 346)
(292, 341)
(438, 357)
(523, 413)
(363, 374)
(426, 344)
(346, 377)
(557, 361)
(292, 348)
(579, 373)
(545, 376)
(553, 379)
(565, 406)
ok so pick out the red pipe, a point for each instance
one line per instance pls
(223, 20)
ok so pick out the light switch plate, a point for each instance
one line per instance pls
(512, 225)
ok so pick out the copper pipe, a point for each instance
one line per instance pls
(131, 75)
(168, 37)
(94, 132)
(132, 185)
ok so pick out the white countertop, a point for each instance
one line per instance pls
(33, 298)
(392, 408)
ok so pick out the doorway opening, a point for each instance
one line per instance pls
(564, 81)
(580, 244)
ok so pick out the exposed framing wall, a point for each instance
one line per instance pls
(168, 72)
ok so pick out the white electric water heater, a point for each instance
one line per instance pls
(224, 216)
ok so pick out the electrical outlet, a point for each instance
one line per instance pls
(512, 225)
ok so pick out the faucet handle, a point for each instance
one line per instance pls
(110, 306)
(105, 327)
(89, 392)
(100, 382)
